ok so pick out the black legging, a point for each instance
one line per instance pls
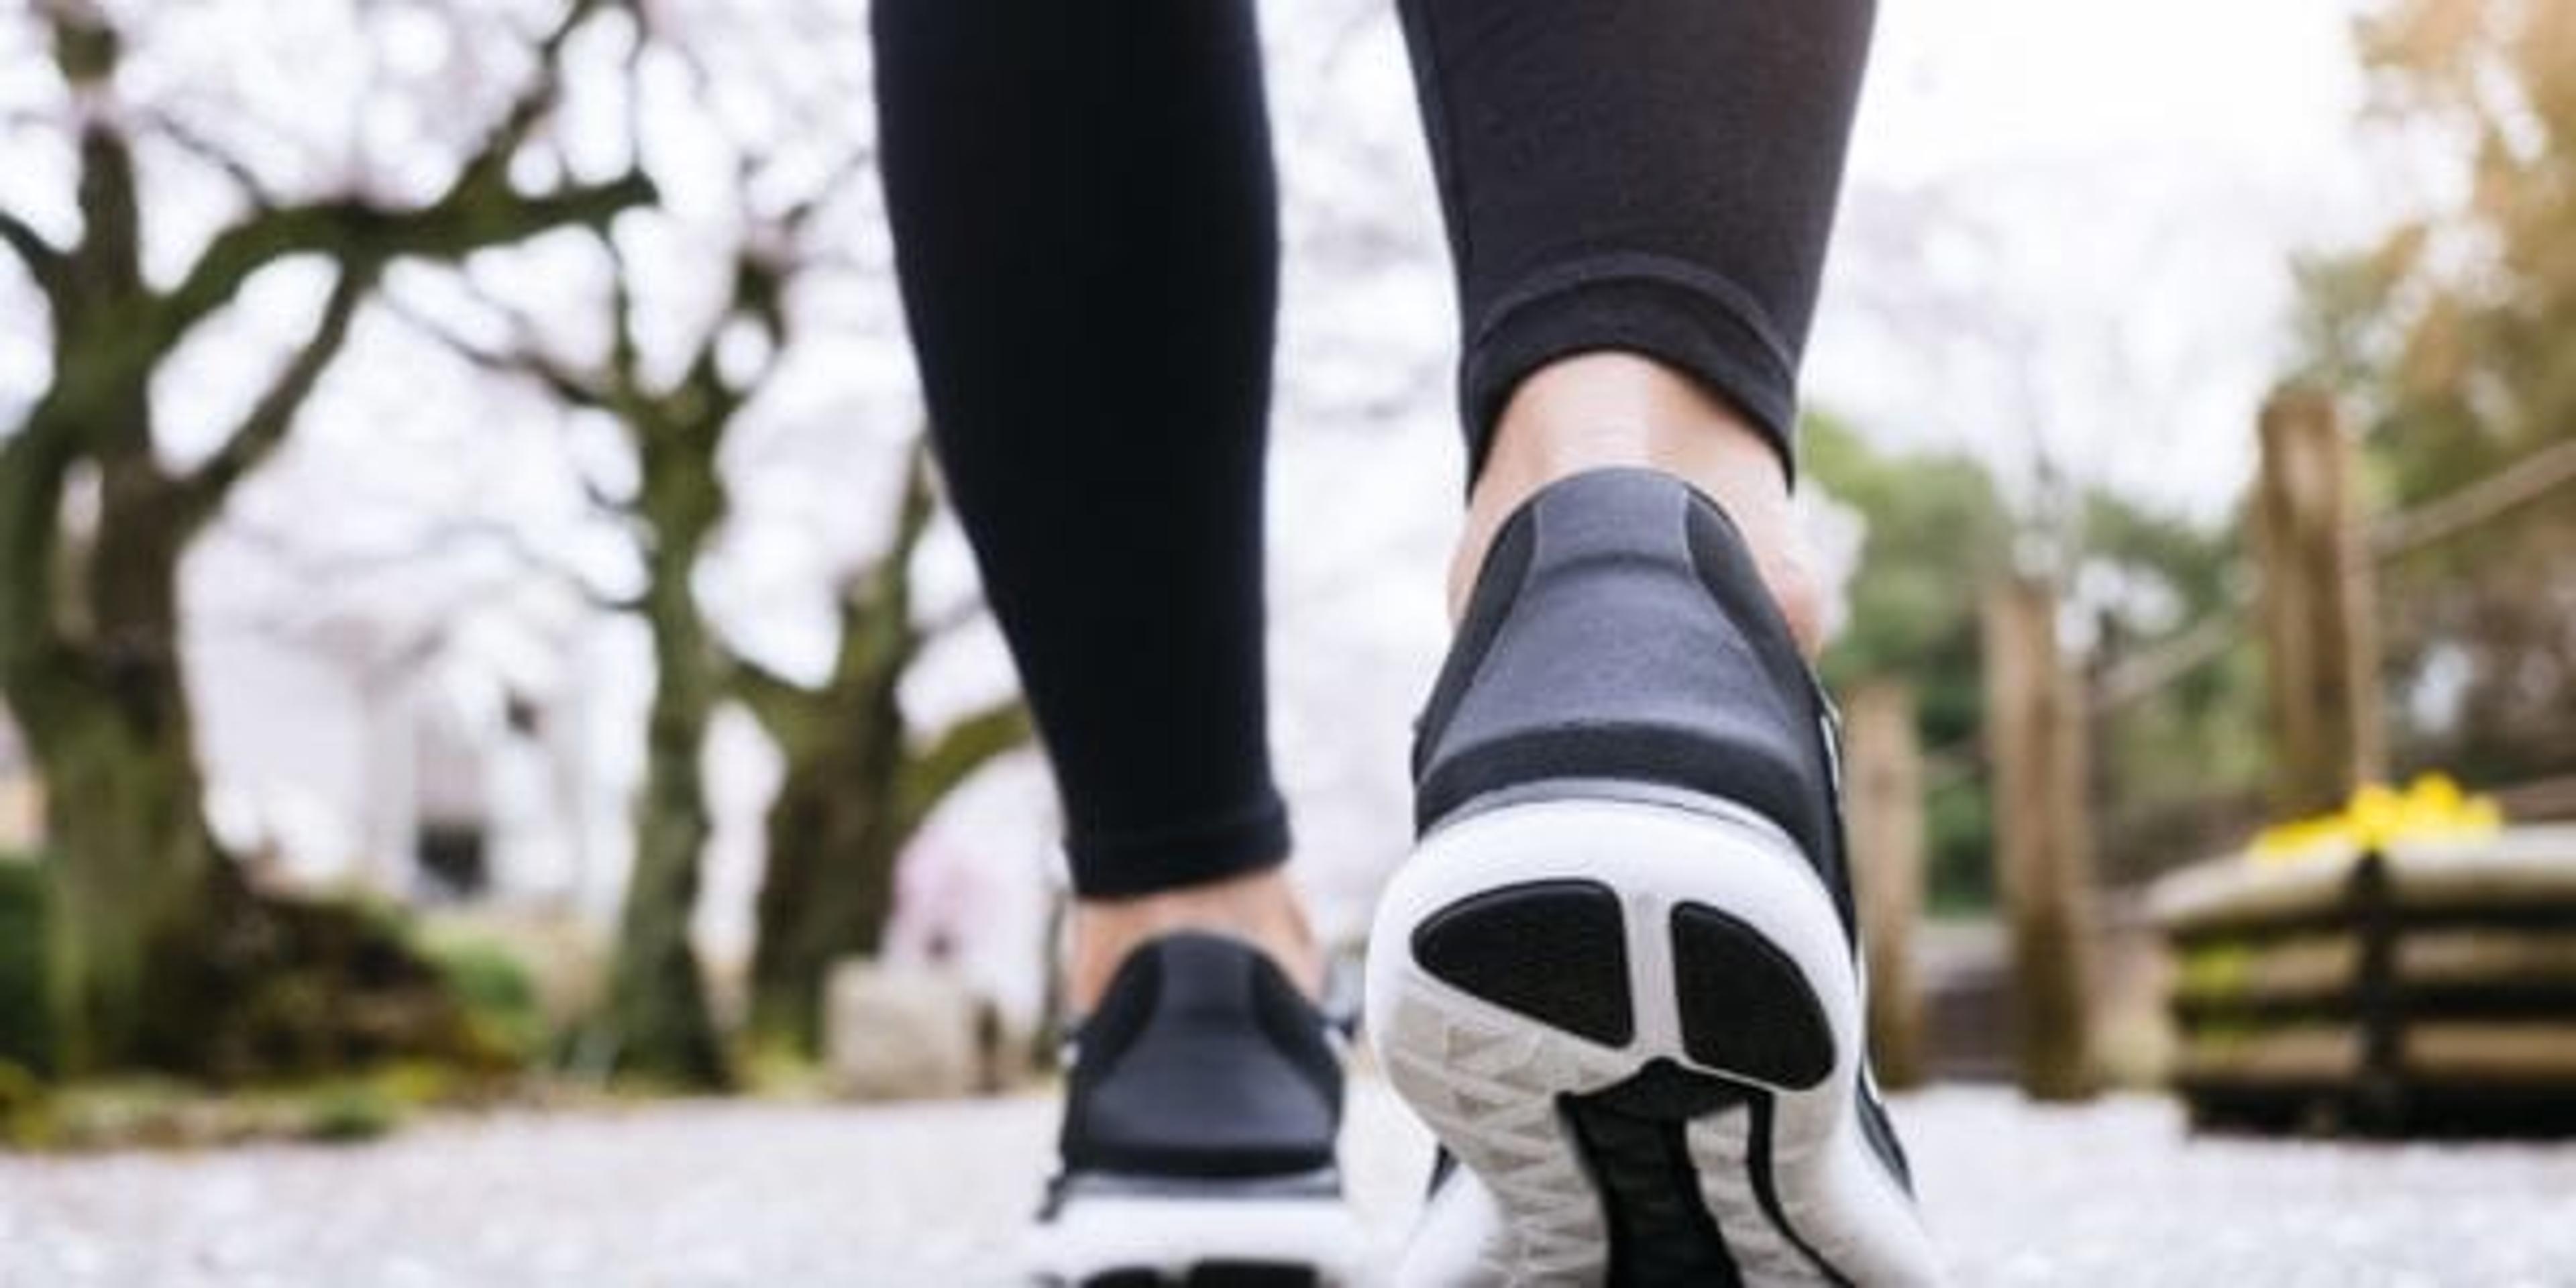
(1086, 232)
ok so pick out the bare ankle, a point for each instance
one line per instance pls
(1607, 410)
(1261, 908)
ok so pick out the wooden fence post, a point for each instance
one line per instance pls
(2036, 736)
(1883, 772)
(2320, 644)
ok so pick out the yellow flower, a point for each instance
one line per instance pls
(2432, 808)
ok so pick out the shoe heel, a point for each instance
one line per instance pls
(1637, 1027)
(1638, 930)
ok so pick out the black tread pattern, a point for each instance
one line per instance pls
(1251, 1274)
(1633, 1138)
(1555, 951)
(1746, 1008)
(1633, 1143)
(1213, 1274)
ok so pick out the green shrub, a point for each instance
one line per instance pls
(497, 992)
(350, 1111)
(23, 1108)
(26, 1027)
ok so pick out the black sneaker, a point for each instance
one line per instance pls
(1200, 1112)
(1619, 978)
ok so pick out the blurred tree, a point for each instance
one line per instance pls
(2171, 771)
(2179, 770)
(1937, 531)
(858, 785)
(2455, 337)
(26, 1024)
(658, 1025)
(156, 938)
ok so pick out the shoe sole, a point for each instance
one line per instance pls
(1638, 1025)
(1221, 1241)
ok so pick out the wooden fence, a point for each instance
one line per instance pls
(2311, 605)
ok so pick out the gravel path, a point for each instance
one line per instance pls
(721, 1194)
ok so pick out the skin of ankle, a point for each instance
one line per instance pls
(1261, 908)
(1605, 410)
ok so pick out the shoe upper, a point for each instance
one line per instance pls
(1620, 631)
(1203, 1060)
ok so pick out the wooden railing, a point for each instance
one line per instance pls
(2311, 605)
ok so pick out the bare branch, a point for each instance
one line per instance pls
(196, 143)
(109, 259)
(467, 219)
(526, 361)
(479, 209)
(861, 162)
(954, 755)
(87, 47)
(329, 572)
(956, 617)
(864, 589)
(538, 100)
(260, 432)
(44, 261)
(514, 543)
(604, 500)
(782, 706)
(760, 283)
(880, 590)
(920, 500)
(625, 346)
(711, 400)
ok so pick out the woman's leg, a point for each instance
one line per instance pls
(1084, 215)
(1638, 195)
(1618, 978)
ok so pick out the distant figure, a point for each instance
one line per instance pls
(1617, 978)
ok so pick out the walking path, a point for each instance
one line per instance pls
(752, 1194)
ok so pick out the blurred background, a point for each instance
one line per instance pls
(476, 627)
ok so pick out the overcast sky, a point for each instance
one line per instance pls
(2141, 175)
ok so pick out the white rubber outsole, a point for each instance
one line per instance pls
(1171, 1236)
(1489, 1080)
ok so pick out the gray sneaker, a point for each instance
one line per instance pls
(1618, 977)
(1200, 1113)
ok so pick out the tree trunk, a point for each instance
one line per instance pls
(139, 893)
(663, 1029)
(828, 890)
(661, 1026)
(160, 953)
(857, 787)
(142, 901)
(857, 792)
